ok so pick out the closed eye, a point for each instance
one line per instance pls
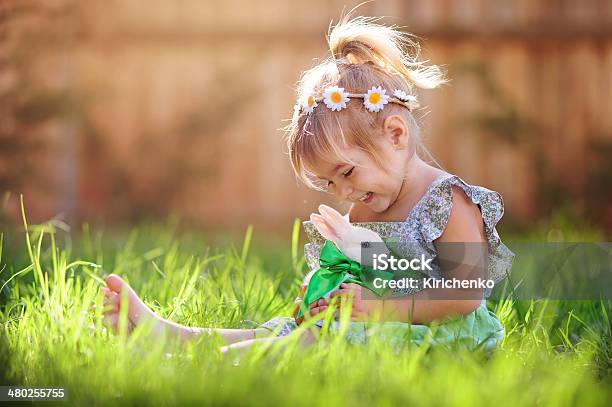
(346, 174)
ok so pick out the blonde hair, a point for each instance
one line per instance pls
(364, 54)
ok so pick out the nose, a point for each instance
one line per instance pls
(344, 190)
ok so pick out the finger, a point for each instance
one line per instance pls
(318, 303)
(342, 293)
(317, 310)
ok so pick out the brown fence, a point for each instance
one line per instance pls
(115, 110)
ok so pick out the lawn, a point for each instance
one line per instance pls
(555, 353)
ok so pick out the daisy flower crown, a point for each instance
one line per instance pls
(375, 99)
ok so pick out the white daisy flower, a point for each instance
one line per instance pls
(375, 99)
(309, 104)
(297, 108)
(335, 98)
(403, 96)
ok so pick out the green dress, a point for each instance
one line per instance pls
(425, 223)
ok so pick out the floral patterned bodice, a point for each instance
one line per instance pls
(426, 223)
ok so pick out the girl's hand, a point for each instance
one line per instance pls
(315, 308)
(361, 310)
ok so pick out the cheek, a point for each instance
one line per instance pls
(377, 180)
(372, 180)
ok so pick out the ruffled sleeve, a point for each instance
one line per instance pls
(431, 214)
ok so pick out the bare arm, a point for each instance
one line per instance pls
(465, 224)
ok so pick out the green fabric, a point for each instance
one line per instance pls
(478, 330)
(334, 267)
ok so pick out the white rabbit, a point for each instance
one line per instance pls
(337, 228)
(348, 238)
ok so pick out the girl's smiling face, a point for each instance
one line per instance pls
(357, 178)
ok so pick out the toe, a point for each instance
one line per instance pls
(115, 283)
(137, 308)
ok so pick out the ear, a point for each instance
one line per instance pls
(396, 131)
(324, 229)
(333, 218)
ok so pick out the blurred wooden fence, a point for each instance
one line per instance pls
(142, 110)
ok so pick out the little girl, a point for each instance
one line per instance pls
(353, 134)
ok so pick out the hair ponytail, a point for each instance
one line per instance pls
(360, 40)
(364, 54)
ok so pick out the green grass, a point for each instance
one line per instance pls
(555, 352)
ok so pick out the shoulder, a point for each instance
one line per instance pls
(465, 222)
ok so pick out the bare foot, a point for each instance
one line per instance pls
(138, 311)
